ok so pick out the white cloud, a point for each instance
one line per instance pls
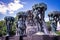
(3, 8)
(11, 7)
(47, 19)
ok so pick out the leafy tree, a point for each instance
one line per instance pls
(48, 24)
(2, 27)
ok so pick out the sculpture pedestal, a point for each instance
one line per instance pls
(58, 37)
(33, 37)
(44, 37)
(40, 37)
(2, 38)
(12, 37)
(15, 38)
(53, 37)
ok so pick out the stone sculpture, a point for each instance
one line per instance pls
(39, 14)
(54, 17)
(9, 22)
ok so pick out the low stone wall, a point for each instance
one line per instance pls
(13, 38)
(44, 37)
(34, 37)
(2, 38)
(9, 38)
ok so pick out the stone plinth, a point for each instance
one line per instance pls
(58, 37)
(15, 38)
(12, 38)
(40, 37)
(33, 37)
(45, 37)
(53, 37)
(2, 38)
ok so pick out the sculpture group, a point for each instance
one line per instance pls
(54, 18)
(34, 17)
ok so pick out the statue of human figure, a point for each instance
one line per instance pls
(58, 25)
(38, 19)
(9, 22)
(21, 24)
(53, 25)
(30, 18)
(31, 24)
(39, 14)
(54, 18)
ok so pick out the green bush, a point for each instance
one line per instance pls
(4, 30)
(58, 33)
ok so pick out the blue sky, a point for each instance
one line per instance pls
(12, 7)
